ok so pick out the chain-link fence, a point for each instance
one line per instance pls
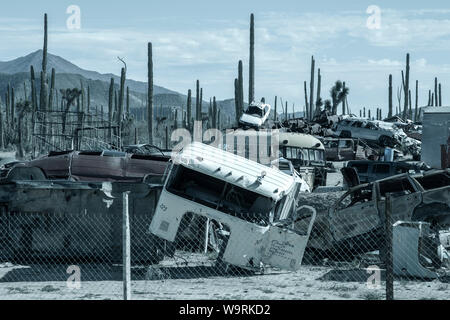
(65, 241)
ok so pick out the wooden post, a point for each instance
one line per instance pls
(126, 248)
(389, 255)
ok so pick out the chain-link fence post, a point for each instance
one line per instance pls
(388, 246)
(126, 248)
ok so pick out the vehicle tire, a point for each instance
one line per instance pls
(345, 134)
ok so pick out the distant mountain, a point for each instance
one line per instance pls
(61, 65)
(16, 73)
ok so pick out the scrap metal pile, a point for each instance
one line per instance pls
(404, 137)
(250, 215)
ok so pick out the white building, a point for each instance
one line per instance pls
(435, 132)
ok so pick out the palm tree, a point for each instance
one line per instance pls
(338, 94)
(328, 105)
(319, 104)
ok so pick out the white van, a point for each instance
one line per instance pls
(254, 201)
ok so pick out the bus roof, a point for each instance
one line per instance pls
(236, 170)
(300, 140)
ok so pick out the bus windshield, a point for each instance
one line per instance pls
(303, 155)
(219, 195)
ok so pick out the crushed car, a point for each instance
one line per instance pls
(147, 150)
(102, 165)
(354, 223)
(369, 171)
(385, 134)
(254, 205)
(344, 149)
(256, 115)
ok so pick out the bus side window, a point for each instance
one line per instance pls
(294, 153)
(288, 153)
(311, 155)
(305, 156)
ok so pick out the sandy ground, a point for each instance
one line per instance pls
(173, 279)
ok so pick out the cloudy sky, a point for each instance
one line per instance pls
(204, 40)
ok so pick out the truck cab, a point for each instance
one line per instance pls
(252, 200)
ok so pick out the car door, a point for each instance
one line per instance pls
(355, 214)
(345, 149)
(405, 197)
(56, 165)
(363, 170)
(332, 150)
(284, 247)
(381, 171)
(138, 166)
(93, 166)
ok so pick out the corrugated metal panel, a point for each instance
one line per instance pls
(435, 132)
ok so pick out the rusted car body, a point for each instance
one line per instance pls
(369, 171)
(342, 149)
(354, 224)
(101, 166)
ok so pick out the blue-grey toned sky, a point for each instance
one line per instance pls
(204, 40)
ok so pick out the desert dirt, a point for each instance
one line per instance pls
(180, 278)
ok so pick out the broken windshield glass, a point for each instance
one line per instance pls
(254, 111)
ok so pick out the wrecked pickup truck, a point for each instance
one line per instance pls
(254, 203)
(354, 224)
